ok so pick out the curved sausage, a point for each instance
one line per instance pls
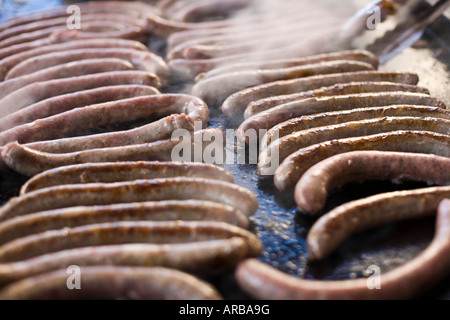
(294, 166)
(134, 191)
(282, 113)
(113, 283)
(216, 89)
(123, 171)
(259, 106)
(36, 92)
(141, 60)
(95, 116)
(69, 101)
(407, 281)
(289, 144)
(156, 232)
(235, 105)
(335, 117)
(312, 190)
(66, 70)
(188, 210)
(337, 225)
(203, 258)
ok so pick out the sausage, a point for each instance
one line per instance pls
(289, 144)
(115, 112)
(215, 90)
(9, 62)
(337, 225)
(123, 171)
(294, 166)
(202, 258)
(69, 101)
(352, 55)
(66, 70)
(30, 162)
(132, 191)
(113, 283)
(274, 116)
(193, 12)
(312, 190)
(258, 106)
(407, 281)
(335, 117)
(189, 210)
(156, 232)
(36, 92)
(155, 131)
(235, 105)
(141, 60)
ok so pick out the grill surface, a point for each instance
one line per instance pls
(279, 225)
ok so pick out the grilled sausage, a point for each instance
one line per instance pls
(407, 281)
(95, 116)
(236, 104)
(193, 12)
(337, 225)
(294, 166)
(123, 171)
(141, 60)
(258, 106)
(156, 232)
(216, 89)
(336, 117)
(36, 92)
(282, 113)
(189, 210)
(289, 144)
(134, 191)
(118, 283)
(312, 190)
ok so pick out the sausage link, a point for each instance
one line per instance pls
(196, 11)
(407, 281)
(235, 105)
(189, 210)
(123, 171)
(337, 225)
(289, 144)
(282, 113)
(134, 191)
(293, 167)
(37, 92)
(114, 283)
(312, 190)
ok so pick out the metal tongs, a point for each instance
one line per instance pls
(406, 31)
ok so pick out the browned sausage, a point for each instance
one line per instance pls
(69, 101)
(258, 106)
(336, 117)
(113, 283)
(189, 210)
(282, 113)
(95, 116)
(141, 60)
(289, 144)
(66, 70)
(36, 92)
(294, 166)
(407, 281)
(134, 191)
(312, 190)
(236, 104)
(157, 232)
(216, 89)
(196, 11)
(123, 171)
(337, 225)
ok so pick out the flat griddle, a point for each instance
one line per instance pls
(279, 225)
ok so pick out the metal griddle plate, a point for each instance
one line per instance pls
(279, 225)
